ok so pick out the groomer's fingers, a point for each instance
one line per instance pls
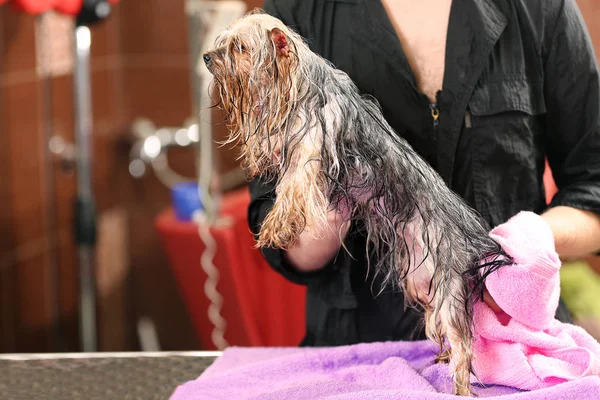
(489, 300)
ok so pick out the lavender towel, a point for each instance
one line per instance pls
(390, 370)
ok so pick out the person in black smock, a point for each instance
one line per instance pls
(521, 84)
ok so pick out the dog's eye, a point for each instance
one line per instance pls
(242, 48)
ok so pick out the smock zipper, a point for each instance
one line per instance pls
(435, 110)
(435, 114)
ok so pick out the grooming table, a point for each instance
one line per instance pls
(106, 376)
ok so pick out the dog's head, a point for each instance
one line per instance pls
(255, 66)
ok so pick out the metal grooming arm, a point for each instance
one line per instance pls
(216, 16)
(206, 19)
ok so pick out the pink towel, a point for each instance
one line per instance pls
(525, 346)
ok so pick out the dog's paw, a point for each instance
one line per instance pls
(279, 230)
(278, 239)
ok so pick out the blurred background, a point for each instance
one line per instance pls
(149, 275)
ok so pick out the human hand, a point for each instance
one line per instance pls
(489, 300)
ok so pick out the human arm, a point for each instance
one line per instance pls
(309, 255)
(572, 138)
(312, 252)
(576, 232)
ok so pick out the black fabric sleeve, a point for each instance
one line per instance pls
(270, 8)
(572, 97)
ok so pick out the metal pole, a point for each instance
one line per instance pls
(85, 212)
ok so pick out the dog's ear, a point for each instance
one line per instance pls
(280, 41)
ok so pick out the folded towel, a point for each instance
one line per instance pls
(525, 346)
(390, 370)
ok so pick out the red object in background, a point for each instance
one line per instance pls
(68, 7)
(32, 6)
(549, 184)
(260, 306)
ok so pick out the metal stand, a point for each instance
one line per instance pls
(206, 20)
(85, 213)
(85, 209)
(220, 14)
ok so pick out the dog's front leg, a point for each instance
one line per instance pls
(301, 203)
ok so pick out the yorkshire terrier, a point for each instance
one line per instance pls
(303, 123)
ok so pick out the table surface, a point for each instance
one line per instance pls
(106, 376)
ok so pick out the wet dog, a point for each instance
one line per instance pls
(303, 123)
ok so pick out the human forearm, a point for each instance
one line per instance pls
(313, 250)
(576, 232)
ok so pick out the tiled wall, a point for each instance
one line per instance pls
(32, 238)
(38, 257)
(140, 68)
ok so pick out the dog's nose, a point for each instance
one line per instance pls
(206, 58)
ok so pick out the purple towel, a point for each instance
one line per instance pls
(390, 370)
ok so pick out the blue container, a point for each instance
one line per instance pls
(185, 200)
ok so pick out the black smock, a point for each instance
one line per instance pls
(521, 84)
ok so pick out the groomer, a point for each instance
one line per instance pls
(485, 91)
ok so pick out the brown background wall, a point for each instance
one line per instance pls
(140, 68)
